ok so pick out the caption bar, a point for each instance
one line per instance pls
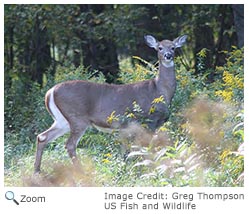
(163, 201)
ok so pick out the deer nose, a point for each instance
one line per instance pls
(168, 56)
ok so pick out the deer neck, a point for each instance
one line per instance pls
(166, 80)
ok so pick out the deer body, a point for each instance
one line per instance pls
(77, 105)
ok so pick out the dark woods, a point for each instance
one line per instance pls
(40, 37)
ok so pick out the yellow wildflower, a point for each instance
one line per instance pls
(162, 129)
(228, 78)
(158, 100)
(108, 155)
(106, 161)
(152, 109)
(225, 94)
(202, 53)
(131, 115)
(224, 155)
(144, 125)
(184, 81)
(112, 118)
(239, 82)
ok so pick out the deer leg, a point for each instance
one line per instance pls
(71, 144)
(39, 150)
(55, 131)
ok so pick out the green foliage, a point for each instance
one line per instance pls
(141, 70)
(232, 77)
(64, 73)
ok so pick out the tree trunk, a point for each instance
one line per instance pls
(11, 53)
(98, 54)
(227, 37)
(238, 13)
(41, 57)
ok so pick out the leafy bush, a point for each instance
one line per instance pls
(231, 87)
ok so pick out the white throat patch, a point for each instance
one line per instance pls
(168, 64)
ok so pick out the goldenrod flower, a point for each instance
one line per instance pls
(108, 155)
(158, 100)
(112, 118)
(106, 161)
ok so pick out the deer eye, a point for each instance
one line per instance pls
(172, 48)
(160, 48)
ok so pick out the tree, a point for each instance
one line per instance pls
(27, 42)
(227, 35)
(238, 13)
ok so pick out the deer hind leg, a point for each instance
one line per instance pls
(59, 128)
(77, 131)
(55, 131)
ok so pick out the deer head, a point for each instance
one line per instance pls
(165, 48)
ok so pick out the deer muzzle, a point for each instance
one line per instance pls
(168, 56)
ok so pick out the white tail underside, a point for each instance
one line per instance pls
(60, 122)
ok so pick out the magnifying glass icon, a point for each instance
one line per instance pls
(9, 195)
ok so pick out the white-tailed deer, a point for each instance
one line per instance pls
(77, 105)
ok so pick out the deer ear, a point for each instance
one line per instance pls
(151, 41)
(180, 41)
